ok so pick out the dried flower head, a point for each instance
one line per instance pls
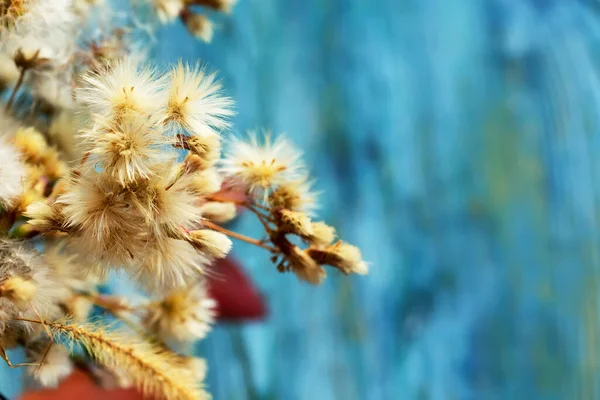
(198, 25)
(12, 173)
(206, 182)
(124, 87)
(322, 233)
(44, 217)
(27, 287)
(167, 263)
(19, 290)
(99, 210)
(195, 104)
(305, 267)
(207, 147)
(128, 149)
(293, 222)
(295, 195)
(31, 143)
(344, 256)
(219, 212)
(184, 315)
(214, 244)
(261, 166)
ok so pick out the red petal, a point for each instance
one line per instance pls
(236, 296)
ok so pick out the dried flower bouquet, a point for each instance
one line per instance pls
(108, 163)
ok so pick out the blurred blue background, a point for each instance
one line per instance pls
(456, 143)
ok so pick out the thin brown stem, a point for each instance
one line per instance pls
(11, 99)
(4, 356)
(29, 320)
(219, 199)
(110, 303)
(248, 204)
(239, 236)
(37, 314)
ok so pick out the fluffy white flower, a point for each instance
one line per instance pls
(207, 182)
(44, 27)
(213, 244)
(12, 173)
(127, 150)
(124, 87)
(195, 103)
(219, 212)
(261, 166)
(184, 315)
(169, 263)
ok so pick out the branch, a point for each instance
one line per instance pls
(239, 236)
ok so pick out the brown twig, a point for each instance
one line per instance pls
(218, 199)
(37, 314)
(239, 236)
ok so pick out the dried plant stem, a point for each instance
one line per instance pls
(13, 94)
(153, 370)
(37, 314)
(109, 303)
(239, 236)
(116, 309)
(4, 356)
(220, 199)
(250, 205)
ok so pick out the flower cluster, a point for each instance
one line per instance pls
(279, 191)
(123, 172)
(130, 204)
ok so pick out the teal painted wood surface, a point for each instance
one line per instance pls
(456, 142)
